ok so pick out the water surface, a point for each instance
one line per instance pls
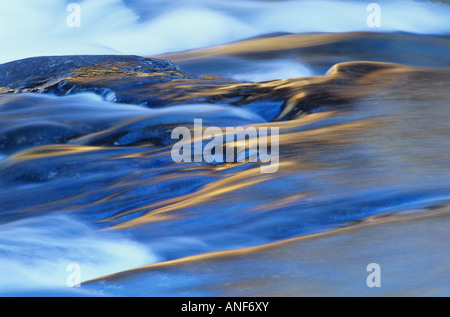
(87, 177)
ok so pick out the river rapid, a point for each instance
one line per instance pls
(89, 184)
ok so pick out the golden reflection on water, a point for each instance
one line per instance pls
(49, 151)
(361, 133)
(324, 264)
(240, 185)
(372, 115)
(263, 44)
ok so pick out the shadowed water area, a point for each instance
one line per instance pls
(363, 175)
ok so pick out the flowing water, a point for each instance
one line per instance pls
(87, 175)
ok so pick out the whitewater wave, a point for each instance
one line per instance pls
(145, 27)
(269, 70)
(43, 252)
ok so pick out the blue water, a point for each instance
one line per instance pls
(75, 188)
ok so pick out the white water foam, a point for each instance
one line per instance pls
(269, 70)
(33, 28)
(35, 253)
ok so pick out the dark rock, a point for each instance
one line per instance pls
(41, 72)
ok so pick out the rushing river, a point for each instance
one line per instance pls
(89, 184)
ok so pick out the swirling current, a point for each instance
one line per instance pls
(358, 125)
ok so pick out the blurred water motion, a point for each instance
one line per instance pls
(144, 27)
(86, 173)
(330, 264)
